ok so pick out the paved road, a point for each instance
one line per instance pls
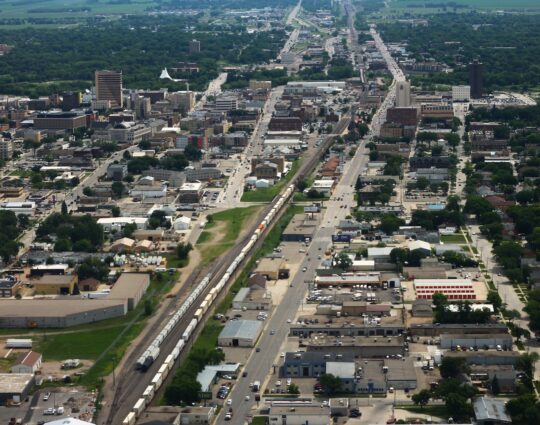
(294, 13)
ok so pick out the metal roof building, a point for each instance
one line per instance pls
(490, 411)
(240, 333)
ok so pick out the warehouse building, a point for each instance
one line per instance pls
(130, 287)
(55, 284)
(489, 357)
(311, 364)
(479, 341)
(300, 228)
(269, 267)
(358, 346)
(240, 333)
(15, 386)
(58, 313)
(401, 373)
(28, 362)
(436, 329)
(252, 299)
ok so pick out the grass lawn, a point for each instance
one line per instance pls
(106, 342)
(267, 194)
(456, 238)
(259, 420)
(271, 241)
(233, 221)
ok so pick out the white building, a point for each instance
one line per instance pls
(182, 223)
(461, 93)
(118, 223)
(26, 208)
(323, 186)
(403, 94)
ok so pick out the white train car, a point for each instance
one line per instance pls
(198, 314)
(148, 394)
(139, 406)
(129, 419)
(157, 380)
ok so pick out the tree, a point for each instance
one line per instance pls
(302, 185)
(115, 211)
(88, 191)
(390, 223)
(452, 367)
(293, 389)
(421, 398)
(63, 208)
(331, 384)
(93, 267)
(148, 307)
(343, 261)
(129, 229)
(118, 189)
(184, 390)
(459, 406)
(183, 249)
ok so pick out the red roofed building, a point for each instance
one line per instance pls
(329, 169)
(499, 202)
(28, 362)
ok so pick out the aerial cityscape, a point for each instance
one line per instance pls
(269, 212)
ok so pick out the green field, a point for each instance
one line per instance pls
(232, 221)
(22, 9)
(267, 194)
(456, 238)
(469, 5)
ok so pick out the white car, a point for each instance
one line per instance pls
(278, 383)
(289, 321)
(247, 398)
(229, 402)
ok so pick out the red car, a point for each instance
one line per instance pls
(391, 421)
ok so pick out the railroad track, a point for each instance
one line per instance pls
(130, 384)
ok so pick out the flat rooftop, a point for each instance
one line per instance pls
(14, 382)
(53, 308)
(322, 340)
(129, 285)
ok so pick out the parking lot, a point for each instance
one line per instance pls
(70, 402)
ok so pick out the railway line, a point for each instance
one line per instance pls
(135, 390)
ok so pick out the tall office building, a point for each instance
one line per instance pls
(71, 100)
(194, 46)
(403, 94)
(476, 71)
(109, 87)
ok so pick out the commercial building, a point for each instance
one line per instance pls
(252, 299)
(240, 333)
(432, 329)
(403, 94)
(357, 346)
(71, 100)
(269, 267)
(349, 280)
(55, 284)
(491, 411)
(29, 362)
(401, 373)
(437, 110)
(117, 172)
(486, 357)
(311, 364)
(130, 287)
(202, 174)
(109, 87)
(118, 223)
(67, 121)
(129, 132)
(479, 341)
(8, 288)
(58, 313)
(15, 386)
(300, 228)
(476, 79)
(197, 415)
(6, 149)
(348, 326)
(454, 289)
(299, 415)
(404, 116)
(461, 93)
(190, 193)
(285, 124)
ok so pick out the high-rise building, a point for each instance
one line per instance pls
(109, 87)
(461, 93)
(476, 71)
(71, 100)
(6, 149)
(403, 94)
(194, 46)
